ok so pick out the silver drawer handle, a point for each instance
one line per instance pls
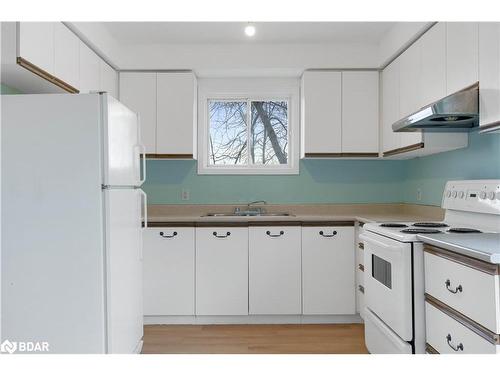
(457, 289)
(457, 348)
(168, 236)
(221, 236)
(321, 233)
(275, 235)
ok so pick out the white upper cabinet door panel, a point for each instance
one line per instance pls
(138, 92)
(489, 72)
(321, 112)
(433, 68)
(409, 80)
(66, 55)
(360, 117)
(461, 55)
(390, 106)
(36, 44)
(89, 69)
(176, 111)
(109, 80)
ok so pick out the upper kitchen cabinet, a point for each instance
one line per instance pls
(108, 80)
(66, 55)
(489, 76)
(176, 115)
(332, 119)
(409, 80)
(138, 92)
(360, 113)
(90, 69)
(390, 107)
(36, 44)
(461, 55)
(321, 112)
(433, 65)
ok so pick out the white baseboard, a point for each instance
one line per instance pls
(254, 319)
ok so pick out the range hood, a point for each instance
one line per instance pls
(458, 112)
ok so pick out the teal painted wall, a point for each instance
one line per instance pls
(481, 160)
(7, 90)
(331, 181)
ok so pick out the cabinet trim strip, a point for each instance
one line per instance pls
(341, 155)
(45, 75)
(169, 156)
(401, 150)
(205, 224)
(485, 333)
(489, 127)
(479, 265)
(430, 350)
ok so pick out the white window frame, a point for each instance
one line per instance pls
(249, 89)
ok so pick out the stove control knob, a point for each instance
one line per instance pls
(482, 195)
(461, 194)
(491, 195)
(448, 193)
(454, 194)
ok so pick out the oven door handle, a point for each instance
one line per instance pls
(365, 238)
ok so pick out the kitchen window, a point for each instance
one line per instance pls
(248, 130)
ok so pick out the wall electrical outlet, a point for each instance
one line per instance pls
(185, 195)
(419, 194)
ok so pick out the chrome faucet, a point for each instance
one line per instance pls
(250, 209)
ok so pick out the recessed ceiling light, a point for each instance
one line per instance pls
(250, 30)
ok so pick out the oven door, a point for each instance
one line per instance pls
(388, 282)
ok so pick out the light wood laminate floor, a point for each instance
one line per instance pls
(255, 339)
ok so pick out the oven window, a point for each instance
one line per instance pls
(381, 271)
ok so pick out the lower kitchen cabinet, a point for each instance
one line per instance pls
(328, 270)
(222, 271)
(168, 261)
(275, 270)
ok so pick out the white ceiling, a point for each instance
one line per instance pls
(232, 32)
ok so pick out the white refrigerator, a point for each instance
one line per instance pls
(72, 211)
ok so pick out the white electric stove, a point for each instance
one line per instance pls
(394, 270)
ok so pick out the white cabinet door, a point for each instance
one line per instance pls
(390, 106)
(66, 55)
(36, 44)
(461, 55)
(433, 64)
(489, 72)
(275, 270)
(176, 109)
(168, 257)
(328, 271)
(360, 128)
(321, 112)
(222, 271)
(138, 92)
(409, 80)
(89, 69)
(109, 80)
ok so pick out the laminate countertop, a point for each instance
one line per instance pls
(159, 215)
(482, 246)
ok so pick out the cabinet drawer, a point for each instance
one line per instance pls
(468, 290)
(168, 271)
(448, 336)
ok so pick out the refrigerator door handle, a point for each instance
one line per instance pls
(144, 199)
(142, 152)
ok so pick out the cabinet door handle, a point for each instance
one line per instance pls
(168, 236)
(457, 289)
(460, 346)
(275, 235)
(221, 235)
(361, 245)
(334, 233)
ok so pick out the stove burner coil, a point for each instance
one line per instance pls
(463, 230)
(420, 230)
(393, 225)
(430, 225)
